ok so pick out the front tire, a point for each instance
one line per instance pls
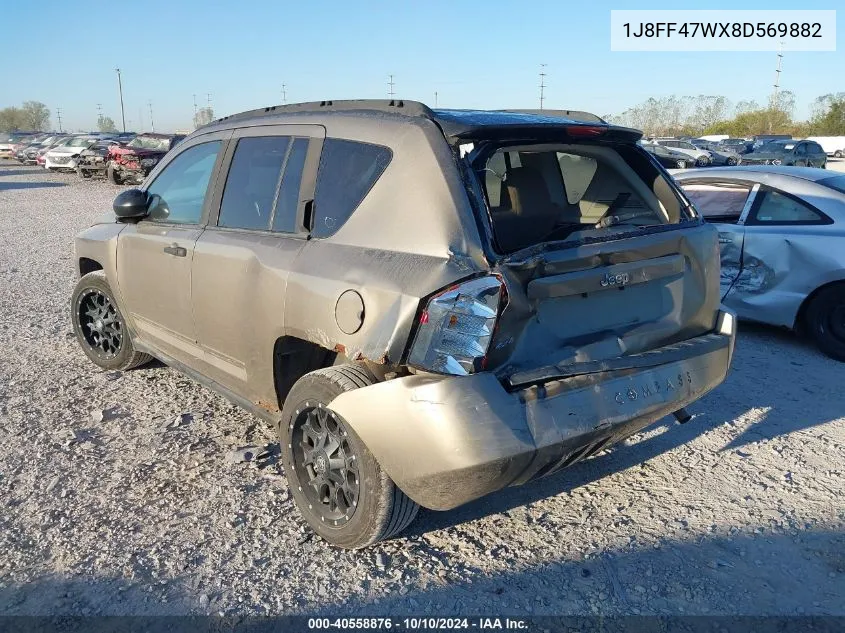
(825, 321)
(99, 326)
(112, 176)
(702, 161)
(838, 154)
(83, 173)
(337, 484)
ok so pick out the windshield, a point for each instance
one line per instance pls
(79, 142)
(150, 142)
(539, 194)
(837, 183)
(777, 145)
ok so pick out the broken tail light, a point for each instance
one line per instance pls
(456, 326)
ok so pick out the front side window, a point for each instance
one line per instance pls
(253, 180)
(777, 208)
(348, 170)
(718, 201)
(178, 192)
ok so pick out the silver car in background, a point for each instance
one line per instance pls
(782, 240)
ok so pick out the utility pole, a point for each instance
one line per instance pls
(284, 94)
(435, 98)
(152, 124)
(777, 77)
(208, 99)
(390, 85)
(542, 84)
(59, 117)
(120, 88)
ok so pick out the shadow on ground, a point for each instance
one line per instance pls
(7, 186)
(757, 574)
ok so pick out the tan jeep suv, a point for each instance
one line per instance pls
(429, 305)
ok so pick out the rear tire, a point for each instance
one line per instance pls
(838, 154)
(367, 506)
(682, 164)
(825, 321)
(731, 161)
(702, 161)
(99, 326)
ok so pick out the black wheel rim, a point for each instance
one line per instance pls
(325, 464)
(100, 324)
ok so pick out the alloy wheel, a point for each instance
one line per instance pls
(325, 464)
(100, 323)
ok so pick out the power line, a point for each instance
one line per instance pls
(390, 85)
(542, 84)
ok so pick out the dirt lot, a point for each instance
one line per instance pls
(117, 496)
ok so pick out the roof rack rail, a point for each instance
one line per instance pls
(395, 106)
(575, 115)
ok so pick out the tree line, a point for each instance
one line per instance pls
(32, 116)
(696, 116)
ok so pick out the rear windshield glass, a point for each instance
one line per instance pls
(834, 182)
(539, 194)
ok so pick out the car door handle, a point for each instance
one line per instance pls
(175, 250)
(722, 240)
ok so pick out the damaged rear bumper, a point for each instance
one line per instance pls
(448, 440)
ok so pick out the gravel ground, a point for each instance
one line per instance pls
(118, 498)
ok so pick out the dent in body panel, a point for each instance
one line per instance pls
(780, 270)
(391, 285)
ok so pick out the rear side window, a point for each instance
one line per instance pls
(252, 183)
(774, 207)
(348, 170)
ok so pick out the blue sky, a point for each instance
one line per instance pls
(476, 54)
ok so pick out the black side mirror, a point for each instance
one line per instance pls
(132, 204)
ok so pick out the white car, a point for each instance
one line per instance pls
(65, 156)
(701, 156)
(832, 145)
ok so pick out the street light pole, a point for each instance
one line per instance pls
(120, 88)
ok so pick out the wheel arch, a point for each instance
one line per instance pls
(88, 265)
(800, 318)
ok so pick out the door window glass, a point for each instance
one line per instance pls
(178, 192)
(252, 182)
(718, 201)
(288, 200)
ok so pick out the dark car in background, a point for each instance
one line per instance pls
(93, 160)
(738, 145)
(789, 152)
(719, 155)
(130, 163)
(668, 157)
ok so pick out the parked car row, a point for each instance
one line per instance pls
(124, 158)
